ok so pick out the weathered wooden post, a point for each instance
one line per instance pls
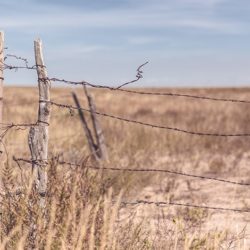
(1, 74)
(39, 135)
(1, 101)
(92, 146)
(102, 150)
(96, 143)
(1, 116)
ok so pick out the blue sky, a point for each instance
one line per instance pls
(187, 42)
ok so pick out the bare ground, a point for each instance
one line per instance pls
(134, 146)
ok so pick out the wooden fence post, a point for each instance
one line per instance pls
(1, 100)
(92, 146)
(1, 118)
(101, 147)
(39, 135)
(96, 143)
(1, 74)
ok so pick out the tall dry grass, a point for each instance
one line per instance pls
(83, 209)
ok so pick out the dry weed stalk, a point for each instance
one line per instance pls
(73, 192)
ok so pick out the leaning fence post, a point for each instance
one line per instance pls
(101, 147)
(39, 135)
(92, 146)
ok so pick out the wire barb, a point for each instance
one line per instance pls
(36, 161)
(25, 60)
(138, 76)
(5, 127)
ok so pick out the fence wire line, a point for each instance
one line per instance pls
(17, 125)
(25, 60)
(70, 107)
(144, 170)
(15, 67)
(163, 203)
(138, 76)
(141, 202)
(172, 172)
(119, 88)
(5, 128)
(5, 66)
(145, 92)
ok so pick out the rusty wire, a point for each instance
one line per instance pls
(34, 161)
(140, 170)
(25, 60)
(84, 83)
(145, 202)
(139, 92)
(70, 108)
(16, 67)
(138, 76)
(119, 88)
(6, 127)
(164, 203)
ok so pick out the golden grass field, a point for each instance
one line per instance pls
(83, 205)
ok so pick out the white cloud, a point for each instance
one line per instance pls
(79, 49)
(91, 48)
(140, 40)
(203, 2)
(148, 23)
(121, 18)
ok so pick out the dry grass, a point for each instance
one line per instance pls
(80, 212)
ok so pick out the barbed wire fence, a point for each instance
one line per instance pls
(47, 81)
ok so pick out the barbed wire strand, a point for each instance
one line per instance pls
(5, 66)
(138, 76)
(163, 203)
(17, 124)
(119, 88)
(144, 202)
(14, 67)
(172, 172)
(70, 107)
(146, 170)
(5, 127)
(147, 93)
(25, 60)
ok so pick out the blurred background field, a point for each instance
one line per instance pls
(136, 146)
